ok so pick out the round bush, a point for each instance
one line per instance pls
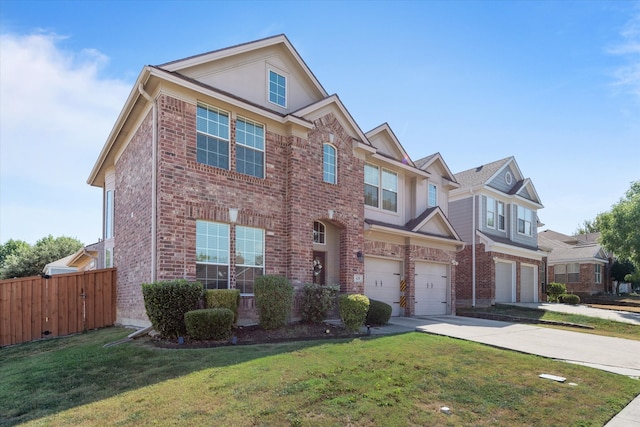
(554, 290)
(223, 298)
(274, 300)
(379, 313)
(209, 323)
(571, 299)
(353, 310)
(317, 302)
(166, 303)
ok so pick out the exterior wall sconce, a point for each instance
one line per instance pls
(233, 215)
(495, 259)
(331, 213)
(360, 257)
(454, 262)
(331, 138)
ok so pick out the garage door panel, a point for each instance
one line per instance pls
(382, 282)
(504, 282)
(528, 286)
(431, 289)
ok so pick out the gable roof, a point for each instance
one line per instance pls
(566, 249)
(482, 174)
(425, 162)
(393, 149)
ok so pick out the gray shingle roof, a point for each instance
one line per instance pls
(480, 174)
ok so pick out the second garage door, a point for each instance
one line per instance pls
(504, 282)
(431, 289)
(382, 281)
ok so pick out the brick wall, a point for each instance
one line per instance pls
(586, 285)
(284, 204)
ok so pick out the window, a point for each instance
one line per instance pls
(501, 216)
(433, 195)
(249, 148)
(372, 181)
(212, 254)
(371, 185)
(213, 137)
(389, 191)
(108, 215)
(560, 273)
(525, 218)
(329, 164)
(277, 89)
(319, 233)
(108, 258)
(491, 213)
(249, 257)
(573, 272)
(598, 278)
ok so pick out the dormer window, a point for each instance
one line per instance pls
(433, 195)
(277, 89)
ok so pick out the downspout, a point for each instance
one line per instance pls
(154, 181)
(473, 249)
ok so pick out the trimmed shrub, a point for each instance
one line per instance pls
(223, 298)
(571, 299)
(209, 323)
(554, 290)
(274, 300)
(166, 303)
(353, 310)
(317, 302)
(379, 313)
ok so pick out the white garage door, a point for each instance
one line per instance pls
(528, 282)
(431, 289)
(504, 282)
(382, 281)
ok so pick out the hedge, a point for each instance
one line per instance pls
(317, 302)
(223, 298)
(274, 300)
(166, 302)
(379, 313)
(353, 310)
(209, 323)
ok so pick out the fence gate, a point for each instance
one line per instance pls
(32, 308)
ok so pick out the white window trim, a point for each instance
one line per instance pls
(524, 219)
(264, 148)
(324, 233)
(491, 207)
(504, 216)
(227, 139)
(335, 172)
(429, 187)
(264, 261)
(273, 69)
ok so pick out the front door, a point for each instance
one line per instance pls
(319, 269)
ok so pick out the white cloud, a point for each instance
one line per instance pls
(56, 112)
(628, 75)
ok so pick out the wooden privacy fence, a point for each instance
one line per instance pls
(32, 308)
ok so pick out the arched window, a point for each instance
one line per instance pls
(329, 163)
(319, 233)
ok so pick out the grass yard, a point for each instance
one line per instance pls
(389, 381)
(600, 326)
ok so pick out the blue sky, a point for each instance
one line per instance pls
(554, 83)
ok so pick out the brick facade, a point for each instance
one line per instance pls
(587, 280)
(285, 204)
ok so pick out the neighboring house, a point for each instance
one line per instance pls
(236, 163)
(84, 259)
(579, 262)
(495, 212)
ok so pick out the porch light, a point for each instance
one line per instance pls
(330, 213)
(360, 257)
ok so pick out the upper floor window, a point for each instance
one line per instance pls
(249, 148)
(249, 257)
(501, 224)
(598, 278)
(329, 164)
(108, 215)
(433, 195)
(212, 136)
(525, 219)
(376, 181)
(491, 212)
(212, 254)
(277, 89)
(108, 258)
(319, 233)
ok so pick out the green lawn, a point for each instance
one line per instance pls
(389, 381)
(598, 326)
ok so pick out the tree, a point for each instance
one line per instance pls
(11, 247)
(30, 260)
(588, 227)
(620, 227)
(620, 270)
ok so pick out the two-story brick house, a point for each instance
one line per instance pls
(237, 163)
(495, 212)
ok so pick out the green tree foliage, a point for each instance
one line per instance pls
(11, 247)
(620, 269)
(588, 227)
(30, 260)
(620, 227)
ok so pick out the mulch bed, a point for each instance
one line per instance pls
(249, 335)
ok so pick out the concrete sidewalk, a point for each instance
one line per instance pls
(615, 355)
